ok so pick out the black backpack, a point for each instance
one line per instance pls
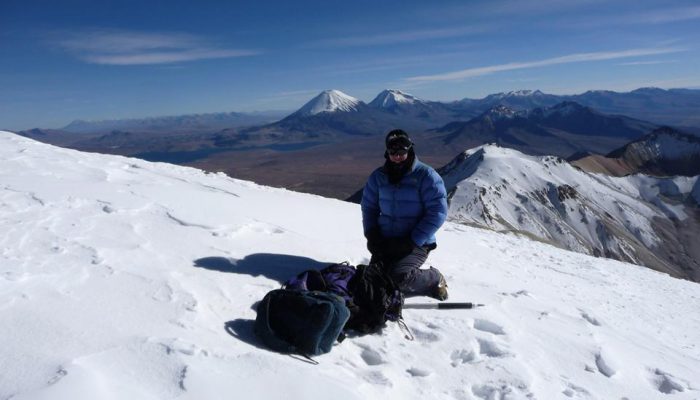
(375, 299)
(303, 322)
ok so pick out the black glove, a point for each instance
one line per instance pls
(375, 242)
(398, 248)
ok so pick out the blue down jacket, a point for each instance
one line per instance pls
(416, 207)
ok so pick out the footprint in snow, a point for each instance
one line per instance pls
(163, 294)
(488, 326)
(517, 294)
(425, 336)
(377, 378)
(60, 374)
(418, 372)
(432, 325)
(575, 391)
(463, 356)
(371, 356)
(503, 391)
(491, 349)
(666, 383)
(604, 366)
(590, 319)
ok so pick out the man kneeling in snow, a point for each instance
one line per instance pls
(403, 204)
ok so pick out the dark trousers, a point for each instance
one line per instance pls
(407, 274)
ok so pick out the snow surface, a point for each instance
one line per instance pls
(329, 101)
(124, 279)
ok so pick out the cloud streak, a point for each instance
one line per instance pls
(663, 16)
(142, 48)
(568, 59)
(398, 37)
(651, 62)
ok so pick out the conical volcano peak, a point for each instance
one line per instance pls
(391, 97)
(329, 101)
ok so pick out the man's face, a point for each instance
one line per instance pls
(397, 154)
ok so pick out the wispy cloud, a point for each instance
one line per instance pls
(662, 16)
(651, 62)
(657, 16)
(398, 37)
(142, 48)
(568, 59)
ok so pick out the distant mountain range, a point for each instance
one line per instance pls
(677, 107)
(639, 219)
(562, 130)
(330, 144)
(333, 112)
(190, 123)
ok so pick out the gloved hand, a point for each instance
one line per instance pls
(375, 242)
(398, 248)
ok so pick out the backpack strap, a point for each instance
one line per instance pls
(404, 327)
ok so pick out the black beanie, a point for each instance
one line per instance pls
(398, 138)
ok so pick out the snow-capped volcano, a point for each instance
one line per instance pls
(329, 101)
(626, 218)
(124, 279)
(391, 98)
(412, 110)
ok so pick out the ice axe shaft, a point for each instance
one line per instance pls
(441, 306)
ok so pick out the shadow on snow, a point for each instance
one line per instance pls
(278, 267)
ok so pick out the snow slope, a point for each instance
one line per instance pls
(505, 190)
(121, 278)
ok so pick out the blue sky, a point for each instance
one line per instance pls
(66, 60)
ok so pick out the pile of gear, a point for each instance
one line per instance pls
(316, 308)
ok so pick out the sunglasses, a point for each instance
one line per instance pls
(397, 151)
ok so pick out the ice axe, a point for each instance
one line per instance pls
(441, 306)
